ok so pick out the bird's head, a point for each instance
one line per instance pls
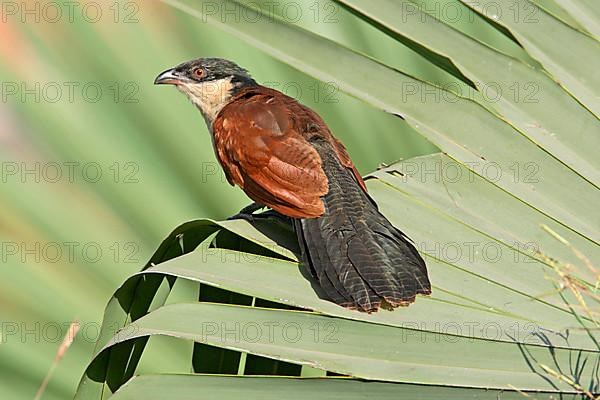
(208, 82)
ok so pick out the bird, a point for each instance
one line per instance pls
(284, 157)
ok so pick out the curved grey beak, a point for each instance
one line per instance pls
(168, 77)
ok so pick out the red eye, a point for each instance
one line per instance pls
(199, 72)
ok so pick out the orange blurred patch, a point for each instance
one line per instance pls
(15, 51)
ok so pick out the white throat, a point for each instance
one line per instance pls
(210, 97)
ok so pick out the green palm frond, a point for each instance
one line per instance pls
(505, 214)
(505, 217)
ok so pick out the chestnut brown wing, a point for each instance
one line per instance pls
(260, 143)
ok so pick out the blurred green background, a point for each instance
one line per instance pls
(98, 165)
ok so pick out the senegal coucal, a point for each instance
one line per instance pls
(283, 156)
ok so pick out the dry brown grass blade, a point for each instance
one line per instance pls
(568, 381)
(571, 282)
(521, 392)
(567, 280)
(586, 261)
(62, 349)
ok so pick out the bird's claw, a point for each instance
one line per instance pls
(241, 215)
(247, 214)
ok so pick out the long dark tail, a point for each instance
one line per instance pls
(359, 259)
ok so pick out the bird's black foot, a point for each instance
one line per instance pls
(273, 215)
(247, 213)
